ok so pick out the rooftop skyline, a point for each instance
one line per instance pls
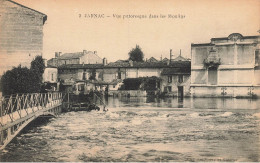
(67, 30)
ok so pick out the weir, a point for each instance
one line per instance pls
(17, 111)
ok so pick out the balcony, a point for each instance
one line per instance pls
(213, 60)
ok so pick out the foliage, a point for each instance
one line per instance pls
(37, 65)
(144, 83)
(23, 80)
(136, 54)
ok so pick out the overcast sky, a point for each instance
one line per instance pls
(113, 38)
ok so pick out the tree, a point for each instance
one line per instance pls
(136, 54)
(37, 65)
(17, 80)
(23, 80)
(37, 69)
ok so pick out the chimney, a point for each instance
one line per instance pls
(180, 52)
(161, 57)
(56, 54)
(104, 61)
(45, 62)
(170, 55)
(131, 63)
(95, 52)
(59, 54)
(84, 51)
(168, 62)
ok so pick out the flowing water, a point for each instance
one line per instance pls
(146, 129)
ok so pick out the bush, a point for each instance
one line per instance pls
(23, 80)
(145, 83)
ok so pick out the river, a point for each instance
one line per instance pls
(146, 129)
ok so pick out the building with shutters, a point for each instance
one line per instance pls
(227, 66)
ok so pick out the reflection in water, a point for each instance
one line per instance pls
(147, 129)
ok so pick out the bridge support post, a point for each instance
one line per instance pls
(2, 138)
(9, 133)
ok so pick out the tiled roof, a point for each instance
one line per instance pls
(116, 81)
(178, 67)
(71, 55)
(165, 59)
(180, 64)
(180, 58)
(118, 64)
(152, 59)
(119, 61)
(81, 66)
(175, 70)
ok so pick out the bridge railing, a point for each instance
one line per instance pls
(21, 102)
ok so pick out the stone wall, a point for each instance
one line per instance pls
(21, 34)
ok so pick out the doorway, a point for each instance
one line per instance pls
(180, 91)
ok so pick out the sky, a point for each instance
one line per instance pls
(65, 31)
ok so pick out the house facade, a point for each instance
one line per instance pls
(84, 57)
(80, 72)
(176, 79)
(50, 78)
(21, 34)
(227, 66)
(110, 76)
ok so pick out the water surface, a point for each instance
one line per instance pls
(146, 129)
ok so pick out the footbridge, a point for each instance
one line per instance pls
(17, 111)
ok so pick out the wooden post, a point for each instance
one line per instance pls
(9, 132)
(2, 138)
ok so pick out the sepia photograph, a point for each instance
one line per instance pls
(129, 81)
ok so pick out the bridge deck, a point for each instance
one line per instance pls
(16, 112)
(11, 118)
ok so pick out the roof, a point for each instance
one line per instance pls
(178, 67)
(235, 34)
(202, 44)
(165, 59)
(159, 64)
(71, 55)
(118, 64)
(116, 81)
(127, 65)
(44, 15)
(152, 59)
(175, 71)
(81, 66)
(180, 58)
(119, 61)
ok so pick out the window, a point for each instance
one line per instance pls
(165, 89)
(81, 87)
(114, 86)
(169, 88)
(84, 76)
(257, 58)
(169, 79)
(119, 75)
(212, 76)
(180, 78)
(52, 77)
